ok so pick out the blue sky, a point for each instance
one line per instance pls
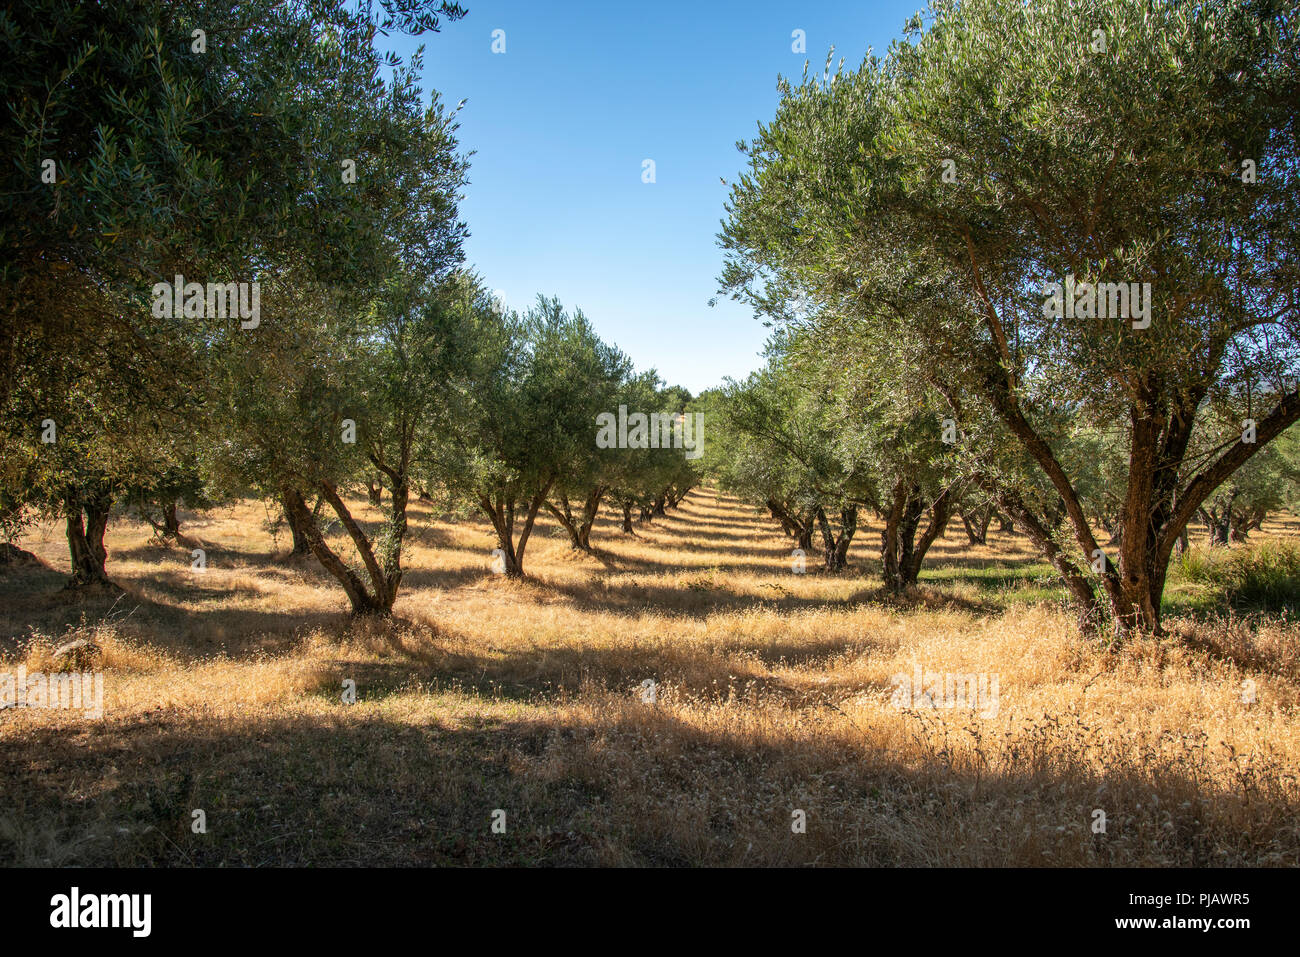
(560, 125)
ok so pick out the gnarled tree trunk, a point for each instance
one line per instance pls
(579, 528)
(171, 524)
(501, 513)
(1083, 599)
(384, 572)
(901, 552)
(1219, 522)
(977, 522)
(836, 547)
(86, 515)
(301, 545)
(799, 527)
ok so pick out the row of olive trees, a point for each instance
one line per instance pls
(414, 390)
(375, 361)
(934, 205)
(817, 444)
(435, 391)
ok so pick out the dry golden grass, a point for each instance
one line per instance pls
(223, 692)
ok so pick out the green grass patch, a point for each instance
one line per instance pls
(1005, 584)
(1263, 577)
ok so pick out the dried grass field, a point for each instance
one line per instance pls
(223, 692)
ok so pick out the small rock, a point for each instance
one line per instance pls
(80, 655)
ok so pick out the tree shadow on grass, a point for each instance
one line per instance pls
(703, 600)
(144, 610)
(628, 783)
(622, 563)
(675, 522)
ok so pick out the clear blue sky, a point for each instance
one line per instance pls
(561, 122)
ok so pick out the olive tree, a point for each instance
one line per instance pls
(536, 384)
(1055, 204)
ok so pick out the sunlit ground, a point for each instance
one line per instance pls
(223, 692)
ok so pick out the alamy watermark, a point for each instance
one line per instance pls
(75, 909)
(214, 300)
(931, 689)
(83, 691)
(1103, 300)
(657, 430)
